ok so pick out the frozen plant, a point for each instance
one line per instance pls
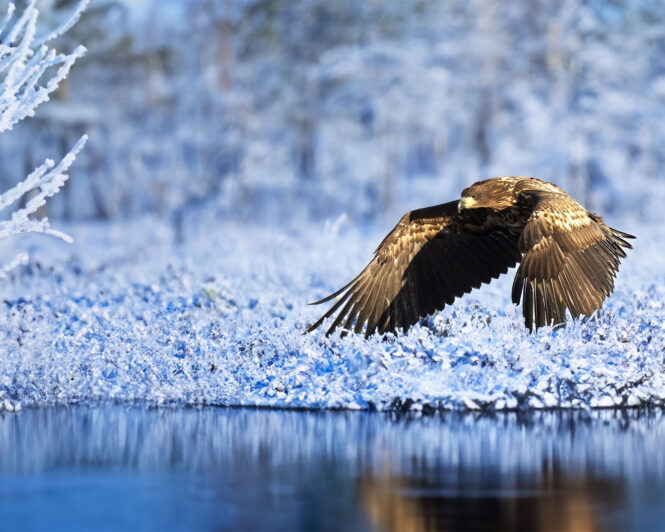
(29, 72)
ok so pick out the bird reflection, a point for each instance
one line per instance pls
(549, 502)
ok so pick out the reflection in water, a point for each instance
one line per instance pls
(260, 469)
(560, 503)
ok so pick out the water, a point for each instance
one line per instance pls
(112, 467)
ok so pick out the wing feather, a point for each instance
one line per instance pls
(570, 260)
(432, 256)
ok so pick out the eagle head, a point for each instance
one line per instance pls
(488, 194)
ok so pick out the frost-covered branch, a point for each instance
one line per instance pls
(67, 24)
(24, 85)
(49, 179)
(24, 59)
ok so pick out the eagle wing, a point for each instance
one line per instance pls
(432, 256)
(570, 260)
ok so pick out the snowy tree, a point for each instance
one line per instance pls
(31, 70)
(315, 108)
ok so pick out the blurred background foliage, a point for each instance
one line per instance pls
(277, 109)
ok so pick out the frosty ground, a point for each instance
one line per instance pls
(131, 313)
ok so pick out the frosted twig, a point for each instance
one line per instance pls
(49, 179)
(20, 260)
(28, 18)
(67, 25)
(25, 60)
(10, 12)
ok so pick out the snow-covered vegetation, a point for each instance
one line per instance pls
(127, 313)
(230, 181)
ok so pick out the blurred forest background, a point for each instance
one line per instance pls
(275, 109)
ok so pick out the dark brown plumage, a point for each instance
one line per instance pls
(568, 258)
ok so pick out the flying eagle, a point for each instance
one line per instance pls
(568, 258)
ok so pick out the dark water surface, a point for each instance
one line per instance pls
(113, 467)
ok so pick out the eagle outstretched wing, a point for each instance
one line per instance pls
(432, 256)
(570, 260)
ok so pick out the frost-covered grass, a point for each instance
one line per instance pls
(126, 314)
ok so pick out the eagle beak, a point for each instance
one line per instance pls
(465, 203)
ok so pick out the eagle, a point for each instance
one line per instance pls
(568, 258)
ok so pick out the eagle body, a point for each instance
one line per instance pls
(568, 258)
